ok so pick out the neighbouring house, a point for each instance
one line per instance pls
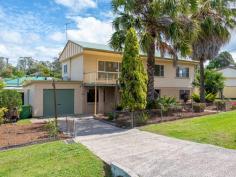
(90, 69)
(230, 81)
(17, 83)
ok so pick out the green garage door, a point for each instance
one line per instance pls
(65, 102)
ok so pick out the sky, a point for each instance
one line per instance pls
(36, 28)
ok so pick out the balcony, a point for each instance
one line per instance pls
(101, 78)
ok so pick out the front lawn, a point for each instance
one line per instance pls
(51, 160)
(218, 129)
(24, 122)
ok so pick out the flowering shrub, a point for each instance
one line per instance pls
(233, 105)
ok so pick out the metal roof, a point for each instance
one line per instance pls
(103, 47)
(18, 82)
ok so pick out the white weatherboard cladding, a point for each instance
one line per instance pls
(230, 82)
(229, 72)
(77, 69)
(70, 50)
(230, 76)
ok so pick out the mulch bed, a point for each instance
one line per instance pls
(183, 115)
(13, 135)
(124, 121)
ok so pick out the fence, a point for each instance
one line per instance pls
(127, 119)
(68, 125)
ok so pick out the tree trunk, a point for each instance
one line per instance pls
(150, 71)
(202, 81)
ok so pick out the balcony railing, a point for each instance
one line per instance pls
(101, 77)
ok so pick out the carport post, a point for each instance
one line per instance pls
(95, 100)
(55, 101)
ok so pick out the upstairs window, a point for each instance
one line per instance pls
(182, 72)
(65, 69)
(159, 70)
(108, 70)
(107, 66)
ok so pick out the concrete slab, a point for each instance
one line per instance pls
(151, 155)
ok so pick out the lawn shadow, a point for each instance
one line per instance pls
(107, 170)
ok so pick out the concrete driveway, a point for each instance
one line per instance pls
(151, 155)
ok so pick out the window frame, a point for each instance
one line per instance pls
(105, 72)
(92, 99)
(161, 72)
(184, 91)
(65, 69)
(182, 75)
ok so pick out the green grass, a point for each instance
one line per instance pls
(52, 160)
(218, 129)
(24, 122)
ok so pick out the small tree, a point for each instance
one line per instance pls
(214, 81)
(133, 79)
(1, 84)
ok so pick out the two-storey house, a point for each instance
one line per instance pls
(90, 83)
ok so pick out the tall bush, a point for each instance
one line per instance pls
(10, 99)
(1, 84)
(133, 80)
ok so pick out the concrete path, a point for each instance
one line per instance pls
(151, 155)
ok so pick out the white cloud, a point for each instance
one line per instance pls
(3, 50)
(33, 37)
(77, 4)
(233, 53)
(11, 37)
(23, 34)
(48, 52)
(231, 46)
(91, 29)
(57, 36)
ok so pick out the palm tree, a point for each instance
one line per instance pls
(161, 25)
(215, 18)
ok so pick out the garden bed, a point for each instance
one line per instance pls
(16, 134)
(176, 116)
(123, 119)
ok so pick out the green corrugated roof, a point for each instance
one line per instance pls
(18, 82)
(103, 47)
(96, 46)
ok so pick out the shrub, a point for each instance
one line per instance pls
(142, 118)
(112, 116)
(119, 108)
(233, 105)
(220, 105)
(3, 111)
(210, 97)
(196, 97)
(199, 107)
(152, 104)
(166, 102)
(52, 129)
(10, 99)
